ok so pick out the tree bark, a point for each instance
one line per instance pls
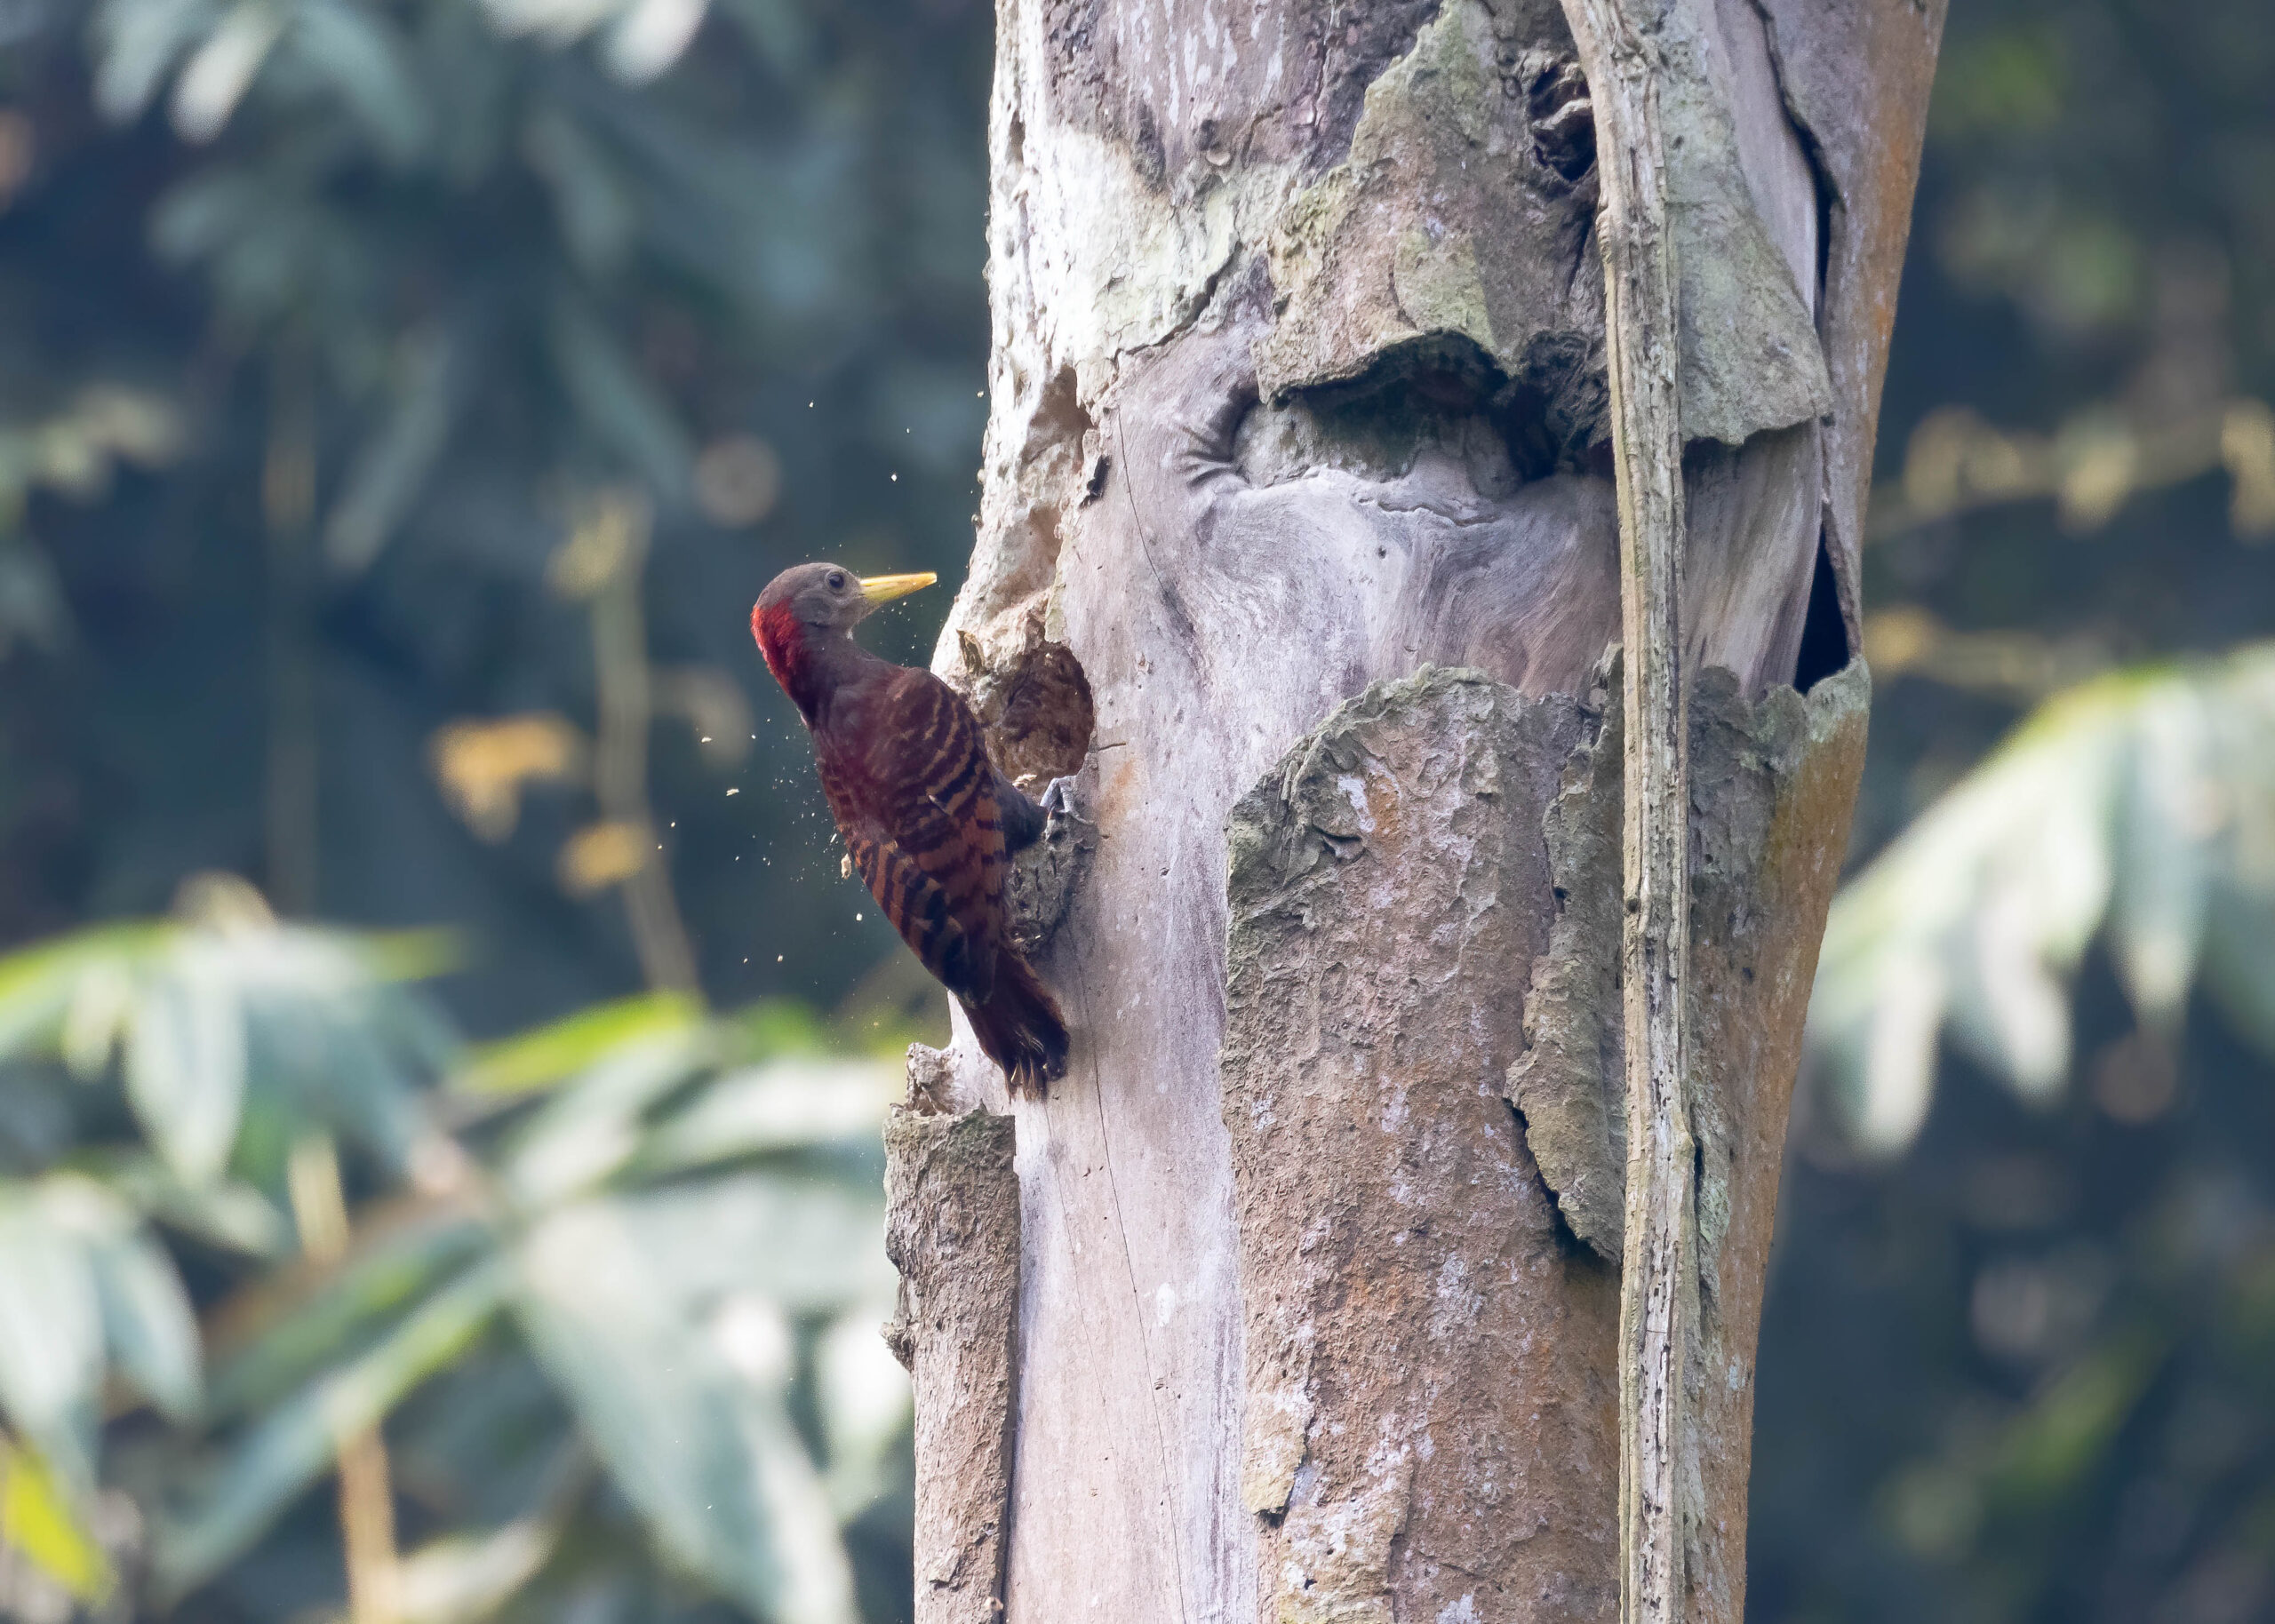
(954, 1232)
(1298, 546)
(1659, 1284)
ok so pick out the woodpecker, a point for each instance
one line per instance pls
(930, 824)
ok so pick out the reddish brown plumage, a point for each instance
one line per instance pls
(922, 810)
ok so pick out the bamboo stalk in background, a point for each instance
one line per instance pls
(366, 1491)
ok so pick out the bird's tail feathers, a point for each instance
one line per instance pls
(1020, 1029)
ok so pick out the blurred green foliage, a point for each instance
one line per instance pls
(2137, 810)
(611, 1287)
(403, 403)
(323, 323)
(2017, 1351)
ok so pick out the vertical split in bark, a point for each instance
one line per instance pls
(951, 1228)
(1659, 1270)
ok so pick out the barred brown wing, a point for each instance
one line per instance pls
(932, 802)
(921, 911)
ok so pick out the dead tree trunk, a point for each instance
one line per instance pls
(1299, 545)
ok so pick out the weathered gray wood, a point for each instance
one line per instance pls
(953, 1230)
(1853, 76)
(1298, 384)
(1658, 1286)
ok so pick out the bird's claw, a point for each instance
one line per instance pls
(1058, 798)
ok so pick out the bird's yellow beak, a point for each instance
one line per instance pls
(885, 588)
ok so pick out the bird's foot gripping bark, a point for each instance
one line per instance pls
(1043, 875)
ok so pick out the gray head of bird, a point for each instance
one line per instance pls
(805, 619)
(827, 598)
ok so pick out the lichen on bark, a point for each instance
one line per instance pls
(1446, 221)
(1425, 930)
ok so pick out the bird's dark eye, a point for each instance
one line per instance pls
(837, 580)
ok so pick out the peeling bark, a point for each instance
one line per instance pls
(952, 1230)
(1568, 1084)
(1772, 788)
(1299, 387)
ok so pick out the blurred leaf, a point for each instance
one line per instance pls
(2142, 802)
(32, 606)
(51, 1331)
(547, 1054)
(392, 467)
(700, 1446)
(650, 36)
(559, 22)
(590, 1129)
(405, 955)
(603, 854)
(346, 1074)
(865, 1403)
(207, 1012)
(2040, 888)
(232, 1217)
(776, 1106)
(2166, 808)
(356, 48)
(784, 1026)
(102, 1004)
(221, 69)
(147, 1320)
(37, 983)
(284, 1335)
(137, 43)
(282, 1453)
(185, 1061)
(461, 1578)
(37, 1519)
(808, 1243)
